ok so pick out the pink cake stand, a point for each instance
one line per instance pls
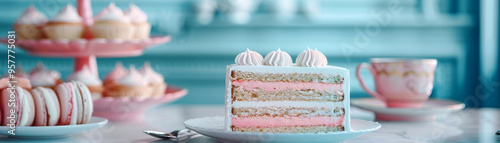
(86, 50)
(132, 109)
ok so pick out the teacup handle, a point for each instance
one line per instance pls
(371, 92)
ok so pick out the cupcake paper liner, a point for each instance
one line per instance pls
(129, 91)
(158, 89)
(142, 30)
(64, 31)
(28, 31)
(112, 31)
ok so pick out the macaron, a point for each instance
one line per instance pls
(46, 106)
(85, 104)
(76, 103)
(67, 99)
(21, 104)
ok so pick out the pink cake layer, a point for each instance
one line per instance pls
(279, 85)
(269, 122)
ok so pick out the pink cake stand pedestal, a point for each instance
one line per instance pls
(132, 109)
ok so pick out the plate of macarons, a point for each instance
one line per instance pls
(43, 112)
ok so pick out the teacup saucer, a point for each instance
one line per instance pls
(428, 111)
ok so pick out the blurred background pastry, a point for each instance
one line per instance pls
(90, 80)
(139, 19)
(132, 84)
(67, 24)
(111, 23)
(115, 74)
(41, 76)
(29, 24)
(155, 80)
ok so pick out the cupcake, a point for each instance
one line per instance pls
(132, 84)
(22, 82)
(67, 24)
(111, 23)
(139, 19)
(29, 25)
(115, 74)
(154, 80)
(41, 76)
(90, 80)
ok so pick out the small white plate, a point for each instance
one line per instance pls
(38, 132)
(214, 127)
(428, 111)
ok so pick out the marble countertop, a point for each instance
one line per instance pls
(469, 125)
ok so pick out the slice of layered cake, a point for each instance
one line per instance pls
(274, 95)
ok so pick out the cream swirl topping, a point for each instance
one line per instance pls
(112, 13)
(67, 14)
(85, 76)
(132, 78)
(31, 16)
(117, 72)
(150, 75)
(278, 58)
(311, 58)
(136, 14)
(41, 76)
(249, 58)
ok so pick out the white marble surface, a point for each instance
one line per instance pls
(470, 125)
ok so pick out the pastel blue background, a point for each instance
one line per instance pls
(196, 58)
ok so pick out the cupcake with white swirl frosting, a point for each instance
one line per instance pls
(133, 84)
(111, 23)
(29, 25)
(139, 19)
(90, 80)
(154, 79)
(67, 24)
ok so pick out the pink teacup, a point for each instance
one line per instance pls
(400, 83)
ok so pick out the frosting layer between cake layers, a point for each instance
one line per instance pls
(287, 99)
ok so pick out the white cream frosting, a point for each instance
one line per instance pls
(85, 76)
(117, 72)
(311, 58)
(150, 75)
(49, 97)
(136, 14)
(26, 110)
(41, 76)
(278, 58)
(249, 58)
(31, 16)
(237, 104)
(67, 14)
(132, 78)
(112, 13)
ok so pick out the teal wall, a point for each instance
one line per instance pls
(197, 56)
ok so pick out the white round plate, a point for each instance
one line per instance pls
(36, 132)
(428, 111)
(214, 127)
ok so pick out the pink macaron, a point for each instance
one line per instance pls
(46, 106)
(76, 103)
(19, 109)
(67, 99)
